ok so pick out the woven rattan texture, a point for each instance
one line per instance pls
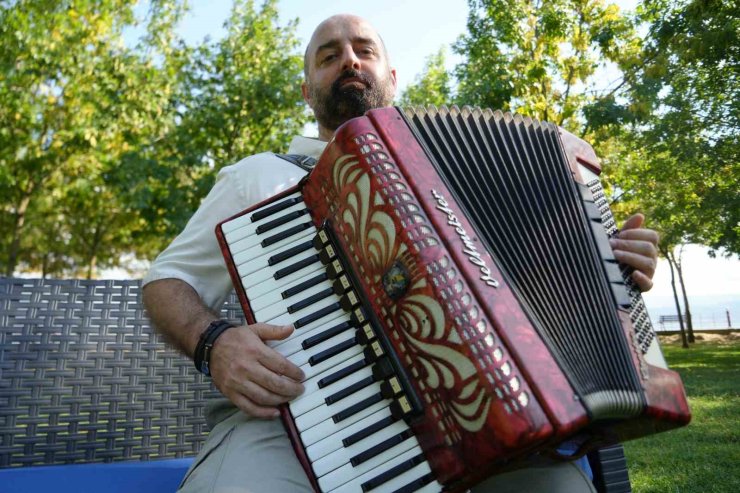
(83, 377)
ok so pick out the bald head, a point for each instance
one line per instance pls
(347, 72)
(334, 25)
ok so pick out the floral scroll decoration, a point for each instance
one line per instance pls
(383, 227)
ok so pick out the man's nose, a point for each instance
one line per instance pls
(350, 60)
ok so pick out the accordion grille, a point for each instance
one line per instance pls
(510, 177)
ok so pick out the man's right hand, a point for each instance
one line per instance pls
(252, 375)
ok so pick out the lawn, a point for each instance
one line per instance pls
(705, 456)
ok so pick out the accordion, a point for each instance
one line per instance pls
(457, 305)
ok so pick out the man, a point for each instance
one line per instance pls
(347, 73)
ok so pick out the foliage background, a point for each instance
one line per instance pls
(106, 147)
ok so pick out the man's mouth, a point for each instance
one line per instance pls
(352, 81)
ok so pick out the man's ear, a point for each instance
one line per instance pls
(306, 93)
(395, 81)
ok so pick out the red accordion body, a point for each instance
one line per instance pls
(491, 389)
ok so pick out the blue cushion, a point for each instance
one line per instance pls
(155, 476)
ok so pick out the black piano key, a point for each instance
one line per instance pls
(321, 239)
(340, 374)
(327, 254)
(274, 209)
(332, 351)
(276, 223)
(325, 335)
(365, 334)
(390, 388)
(349, 390)
(298, 288)
(316, 315)
(416, 484)
(341, 285)
(357, 407)
(400, 407)
(271, 240)
(311, 300)
(382, 369)
(349, 300)
(289, 253)
(392, 473)
(380, 448)
(370, 430)
(373, 352)
(301, 264)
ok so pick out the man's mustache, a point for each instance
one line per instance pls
(351, 74)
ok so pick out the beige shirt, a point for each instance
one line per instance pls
(194, 256)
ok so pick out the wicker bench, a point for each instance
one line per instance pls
(85, 380)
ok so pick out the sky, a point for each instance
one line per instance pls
(413, 30)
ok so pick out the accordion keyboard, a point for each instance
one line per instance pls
(351, 415)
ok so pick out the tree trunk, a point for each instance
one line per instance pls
(684, 340)
(14, 250)
(91, 266)
(687, 310)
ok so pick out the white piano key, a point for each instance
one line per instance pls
(257, 290)
(309, 370)
(243, 256)
(340, 457)
(326, 411)
(333, 442)
(313, 396)
(301, 358)
(393, 484)
(247, 218)
(292, 344)
(348, 472)
(329, 428)
(248, 228)
(258, 263)
(267, 274)
(432, 487)
(256, 240)
(289, 318)
(275, 294)
(281, 307)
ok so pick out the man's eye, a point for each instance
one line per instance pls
(328, 58)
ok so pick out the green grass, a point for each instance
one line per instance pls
(705, 456)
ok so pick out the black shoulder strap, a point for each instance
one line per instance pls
(305, 162)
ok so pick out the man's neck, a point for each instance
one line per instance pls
(325, 134)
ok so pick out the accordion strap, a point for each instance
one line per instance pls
(304, 162)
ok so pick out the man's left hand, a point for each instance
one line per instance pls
(637, 247)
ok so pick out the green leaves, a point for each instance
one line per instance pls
(432, 86)
(106, 150)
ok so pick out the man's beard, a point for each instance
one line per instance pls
(337, 104)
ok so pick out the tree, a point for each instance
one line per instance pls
(432, 86)
(73, 100)
(691, 83)
(540, 58)
(238, 96)
(105, 149)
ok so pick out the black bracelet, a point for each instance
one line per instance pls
(202, 356)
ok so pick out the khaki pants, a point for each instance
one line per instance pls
(244, 455)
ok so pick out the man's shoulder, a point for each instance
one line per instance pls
(250, 162)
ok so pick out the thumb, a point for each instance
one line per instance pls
(268, 332)
(634, 222)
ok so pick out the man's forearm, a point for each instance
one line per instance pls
(177, 312)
